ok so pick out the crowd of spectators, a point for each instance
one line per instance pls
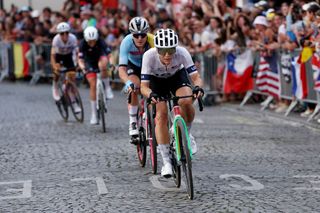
(210, 28)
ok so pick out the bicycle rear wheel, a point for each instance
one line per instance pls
(185, 157)
(101, 112)
(72, 89)
(62, 105)
(151, 136)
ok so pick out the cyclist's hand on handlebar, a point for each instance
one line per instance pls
(56, 68)
(154, 98)
(129, 87)
(197, 92)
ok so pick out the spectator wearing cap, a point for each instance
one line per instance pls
(87, 18)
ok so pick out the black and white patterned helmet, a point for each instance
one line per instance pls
(166, 38)
(138, 25)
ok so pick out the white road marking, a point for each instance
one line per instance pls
(315, 184)
(157, 184)
(102, 189)
(255, 185)
(26, 190)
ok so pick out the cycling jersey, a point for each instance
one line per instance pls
(129, 51)
(61, 48)
(92, 55)
(152, 66)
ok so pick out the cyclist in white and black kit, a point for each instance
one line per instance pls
(63, 55)
(93, 56)
(165, 70)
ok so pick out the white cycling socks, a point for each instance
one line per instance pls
(164, 151)
(93, 108)
(106, 82)
(133, 110)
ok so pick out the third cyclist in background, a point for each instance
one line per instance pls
(93, 55)
(132, 48)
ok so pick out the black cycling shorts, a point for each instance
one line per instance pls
(65, 60)
(133, 70)
(165, 86)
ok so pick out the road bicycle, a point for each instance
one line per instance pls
(146, 137)
(69, 96)
(101, 99)
(180, 148)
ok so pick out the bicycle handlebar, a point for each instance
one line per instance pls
(65, 70)
(176, 98)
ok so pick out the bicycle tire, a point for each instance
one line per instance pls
(102, 112)
(142, 143)
(78, 116)
(151, 135)
(176, 167)
(186, 163)
(62, 105)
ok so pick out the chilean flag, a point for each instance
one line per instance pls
(238, 78)
(299, 78)
(315, 61)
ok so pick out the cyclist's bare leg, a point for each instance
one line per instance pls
(162, 134)
(103, 62)
(188, 110)
(92, 79)
(72, 78)
(133, 106)
(55, 79)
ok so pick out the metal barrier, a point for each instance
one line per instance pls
(4, 60)
(286, 92)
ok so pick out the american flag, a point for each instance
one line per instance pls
(268, 79)
(316, 71)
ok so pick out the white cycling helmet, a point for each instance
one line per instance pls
(91, 33)
(165, 38)
(63, 27)
(138, 25)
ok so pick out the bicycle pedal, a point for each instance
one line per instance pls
(134, 140)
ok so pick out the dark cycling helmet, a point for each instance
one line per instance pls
(165, 38)
(63, 27)
(138, 25)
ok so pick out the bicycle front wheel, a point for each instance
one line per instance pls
(151, 136)
(73, 91)
(101, 112)
(62, 105)
(142, 143)
(182, 139)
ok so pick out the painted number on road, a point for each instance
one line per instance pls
(25, 191)
(254, 185)
(102, 189)
(314, 181)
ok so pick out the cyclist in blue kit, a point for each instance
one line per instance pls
(132, 49)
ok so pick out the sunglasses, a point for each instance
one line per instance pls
(142, 35)
(170, 51)
(64, 33)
